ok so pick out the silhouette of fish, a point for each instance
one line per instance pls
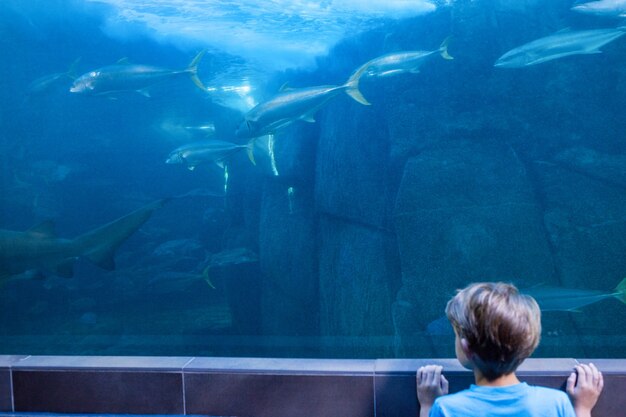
(39, 249)
(563, 43)
(125, 76)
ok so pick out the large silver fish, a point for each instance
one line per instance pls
(563, 43)
(609, 8)
(213, 151)
(572, 299)
(124, 77)
(291, 105)
(40, 250)
(402, 62)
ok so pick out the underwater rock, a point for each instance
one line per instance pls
(608, 168)
(352, 173)
(357, 265)
(88, 318)
(287, 244)
(465, 213)
(586, 226)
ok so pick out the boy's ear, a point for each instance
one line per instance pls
(466, 348)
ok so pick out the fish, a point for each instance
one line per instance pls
(124, 76)
(39, 249)
(215, 151)
(292, 104)
(552, 298)
(403, 62)
(563, 43)
(235, 256)
(609, 8)
(45, 83)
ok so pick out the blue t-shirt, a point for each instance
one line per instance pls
(519, 400)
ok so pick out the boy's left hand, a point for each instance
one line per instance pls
(430, 384)
(584, 387)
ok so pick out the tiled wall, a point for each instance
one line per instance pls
(252, 387)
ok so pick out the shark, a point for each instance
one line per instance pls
(39, 250)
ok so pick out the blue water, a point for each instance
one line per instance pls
(350, 233)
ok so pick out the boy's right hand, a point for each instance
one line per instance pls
(584, 387)
(430, 385)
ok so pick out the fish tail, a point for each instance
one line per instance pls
(621, 291)
(99, 245)
(250, 151)
(206, 277)
(193, 70)
(443, 49)
(352, 86)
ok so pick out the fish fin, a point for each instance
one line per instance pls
(102, 258)
(144, 92)
(65, 269)
(396, 71)
(193, 70)
(621, 289)
(45, 228)
(99, 245)
(250, 151)
(309, 118)
(443, 49)
(207, 278)
(191, 167)
(220, 164)
(123, 61)
(352, 86)
(284, 87)
(71, 71)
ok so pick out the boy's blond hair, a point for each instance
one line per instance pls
(502, 326)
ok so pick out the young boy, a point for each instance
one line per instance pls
(496, 329)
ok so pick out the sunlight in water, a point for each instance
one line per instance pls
(294, 31)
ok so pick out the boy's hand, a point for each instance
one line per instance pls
(430, 385)
(585, 389)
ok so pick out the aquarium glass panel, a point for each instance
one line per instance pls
(281, 178)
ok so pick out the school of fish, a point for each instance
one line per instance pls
(39, 250)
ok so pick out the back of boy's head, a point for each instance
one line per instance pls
(502, 327)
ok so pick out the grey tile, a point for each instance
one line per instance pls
(410, 366)
(5, 390)
(7, 361)
(275, 395)
(282, 365)
(164, 363)
(608, 366)
(109, 392)
(547, 366)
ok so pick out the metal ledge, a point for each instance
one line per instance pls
(260, 387)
